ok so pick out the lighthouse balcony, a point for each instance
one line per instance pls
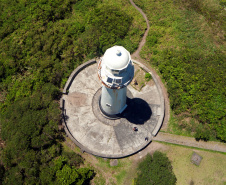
(113, 82)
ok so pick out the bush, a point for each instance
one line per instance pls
(155, 169)
(148, 77)
(202, 134)
(193, 87)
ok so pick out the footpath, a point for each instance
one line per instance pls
(191, 142)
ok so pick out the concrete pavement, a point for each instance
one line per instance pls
(95, 134)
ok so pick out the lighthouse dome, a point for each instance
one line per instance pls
(116, 58)
(115, 68)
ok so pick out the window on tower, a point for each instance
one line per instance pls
(109, 80)
(118, 81)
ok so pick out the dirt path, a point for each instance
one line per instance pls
(136, 55)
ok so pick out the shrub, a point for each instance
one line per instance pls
(203, 134)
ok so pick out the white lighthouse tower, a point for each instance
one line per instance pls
(116, 71)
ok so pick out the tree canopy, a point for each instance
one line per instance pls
(41, 43)
(155, 169)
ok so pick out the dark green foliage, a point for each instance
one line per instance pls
(60, 172)
(73, 158)
(202, 133)
(155, 169)
(86, 5)
(41, 42)
(23, 42)
(16, 14)
(107, 26)
(47, 51)
(70, 175)
(186, 42)
(30, 129)
(2, 172)
(223, 3)
(196, 82)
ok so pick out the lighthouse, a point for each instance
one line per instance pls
(115, 71)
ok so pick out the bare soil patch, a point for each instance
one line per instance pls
(151, 148)
(139, 80)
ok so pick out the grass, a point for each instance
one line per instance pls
(99, 179)
(119, 172)
(212, 167)
(120, 176)
(112, 174)
(175, 128)
(178, 26)
(210, 171)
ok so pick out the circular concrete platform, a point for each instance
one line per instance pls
(94, 133)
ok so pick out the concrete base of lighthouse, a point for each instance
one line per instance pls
(111, 138)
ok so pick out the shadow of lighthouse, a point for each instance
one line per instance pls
(138, 111)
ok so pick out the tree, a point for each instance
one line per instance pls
(155, 169)
(70, 175)
(30, 129)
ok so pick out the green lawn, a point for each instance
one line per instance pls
(211, 170)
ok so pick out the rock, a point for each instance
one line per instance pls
(114, 162)
(196, 159)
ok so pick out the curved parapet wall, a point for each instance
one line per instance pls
(97, 135)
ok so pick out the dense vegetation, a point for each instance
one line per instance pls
(186, 43)
(30, 129)
(41, 42)
(155, 169)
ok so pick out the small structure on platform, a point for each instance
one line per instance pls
(116, 71)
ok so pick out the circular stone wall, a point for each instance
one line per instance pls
(97, 135)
